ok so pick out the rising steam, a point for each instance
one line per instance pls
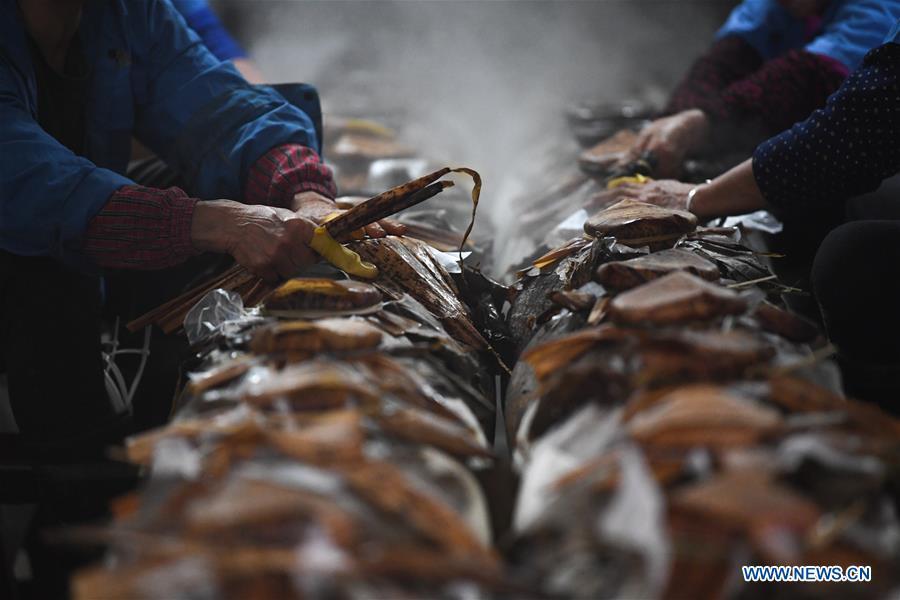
(479, 83)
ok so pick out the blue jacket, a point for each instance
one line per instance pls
(201, 18)
(894, 35)
(153, 79)
(849, 28)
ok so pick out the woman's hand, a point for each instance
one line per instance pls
(664, 192)
(271, 243)
(317, 208)
(732, 193)
(670, 139)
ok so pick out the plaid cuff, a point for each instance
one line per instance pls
(142, 228)
(285, 171)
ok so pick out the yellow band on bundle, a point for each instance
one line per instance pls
(368, 127)
(343, 258)
(637, 179)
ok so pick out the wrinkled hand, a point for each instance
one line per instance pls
(670, 139)
(317, 208)
(664, 192)
(270, 242)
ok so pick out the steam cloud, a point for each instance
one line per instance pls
(480, 83)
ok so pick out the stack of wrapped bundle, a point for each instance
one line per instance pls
(328, 447)
(672, 423)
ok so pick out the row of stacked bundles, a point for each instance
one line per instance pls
(667, 419)
(672, 422)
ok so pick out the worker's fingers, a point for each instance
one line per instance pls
(625, 190)
(598, 162)
(643, 143)
(266, 273)
(285, 267)
(298, 234)
(374, 230)
(281, 260)
(392, 227)
(300, 230)
(301, 256)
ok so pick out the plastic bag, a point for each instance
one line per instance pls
(217, 312)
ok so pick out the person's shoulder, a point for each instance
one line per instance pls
(893, 35)
(758, 15)
(881, 13)
(146, 17)
(186, 7)
(142, 8)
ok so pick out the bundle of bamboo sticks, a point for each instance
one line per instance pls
(253, 290)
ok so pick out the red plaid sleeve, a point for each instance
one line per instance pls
(733, 86)
(285, 171)
(782, 92)
(142, 228)
(728, 60)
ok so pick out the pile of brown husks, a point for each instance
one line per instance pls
(672, 423)
(668, 419)
(330, 452)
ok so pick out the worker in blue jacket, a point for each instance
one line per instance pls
(78, 79)
(203, 20)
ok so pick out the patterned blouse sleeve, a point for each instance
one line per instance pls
(842, 150)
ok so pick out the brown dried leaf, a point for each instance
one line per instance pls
(673, 299)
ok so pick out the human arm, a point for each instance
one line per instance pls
(727, 60)
(57, 204)
(198, 113)
(226, 138)
(793, 76)
(249, 70)
(781, 92)
(271, 242)
(148, 228)
(842, 150)
(202, 19)
(47, 193)
(732, 193)
(291, 176)
(801, 68)
(680, 127)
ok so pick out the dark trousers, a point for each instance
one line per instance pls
(50, 328)
(855, 282)
(51, 321)
(50, 325)
(849, 258)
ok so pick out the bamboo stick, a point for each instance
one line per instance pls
(387, 204)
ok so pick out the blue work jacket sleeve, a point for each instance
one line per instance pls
(849, 28)
(47, 193)
(197, 112)
(855, 27)
(765, 25)
(201, 18)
